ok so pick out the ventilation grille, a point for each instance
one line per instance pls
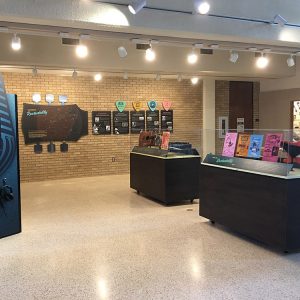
(70, 42)
(142, 46)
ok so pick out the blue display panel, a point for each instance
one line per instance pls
(10, 208)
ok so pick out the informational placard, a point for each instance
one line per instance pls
(240, 124)
(223, 126)
(257, 166)
(243, 145)
(101, 122)
(137, 121)
(152, 120)
(121, 122)
(230, 144)
(272, 145)
(46, 123)
(256, 142)
(10, 210)
(167, 120)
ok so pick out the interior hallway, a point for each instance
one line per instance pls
(94, 238)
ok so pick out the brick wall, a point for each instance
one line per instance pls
(222, 107)
(92, 155)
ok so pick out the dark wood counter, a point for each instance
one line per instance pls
(166, 179)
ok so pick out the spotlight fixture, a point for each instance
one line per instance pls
(158, 77)
(122, 52)
(234, 56)
(280, 20)
(16, 43)
(136, 6)
(125, 76)
(150, 54)
(195, 80)
(179, 78)
(34, 71)
(291, 61)
(98, 77)
(202, 7)
(82, 51)
(74, 74)
(192, 57)
(262, 61)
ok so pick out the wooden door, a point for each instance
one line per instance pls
(241, 103)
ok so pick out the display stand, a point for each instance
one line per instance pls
(262, 206)
(169, 179)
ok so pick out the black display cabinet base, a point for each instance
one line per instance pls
(168, 180)
(264, 208)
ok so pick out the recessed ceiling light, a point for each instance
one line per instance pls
(82, 51)
(195, 80)
(198, 45)
(98, 77)
(136, 6)
(16, 43)
(202, 7)
(214, 46)
(262, 61)
(192, 57)
(150, 54)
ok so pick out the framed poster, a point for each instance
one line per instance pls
(10, 204)
(230, 144)
(137, 119)
(101, 121)
(152, 120)
(167, 120)
(272, 145)
(243, 145)
(256, 142)
(121, 122)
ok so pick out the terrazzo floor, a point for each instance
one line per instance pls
(95, 238)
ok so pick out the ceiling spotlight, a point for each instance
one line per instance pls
(74, 74)
(291, 61)
(202, 7)
(234, 56)
(98, 77)
(262, 61)
(179, 78)
(82, 51)
(280, 20)
(158, 77)
(194, 80)
(16, 43)
(150, 54)
(136, 5)
(192, 57)
(125, 76)
(34, 71)
(122, 52)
